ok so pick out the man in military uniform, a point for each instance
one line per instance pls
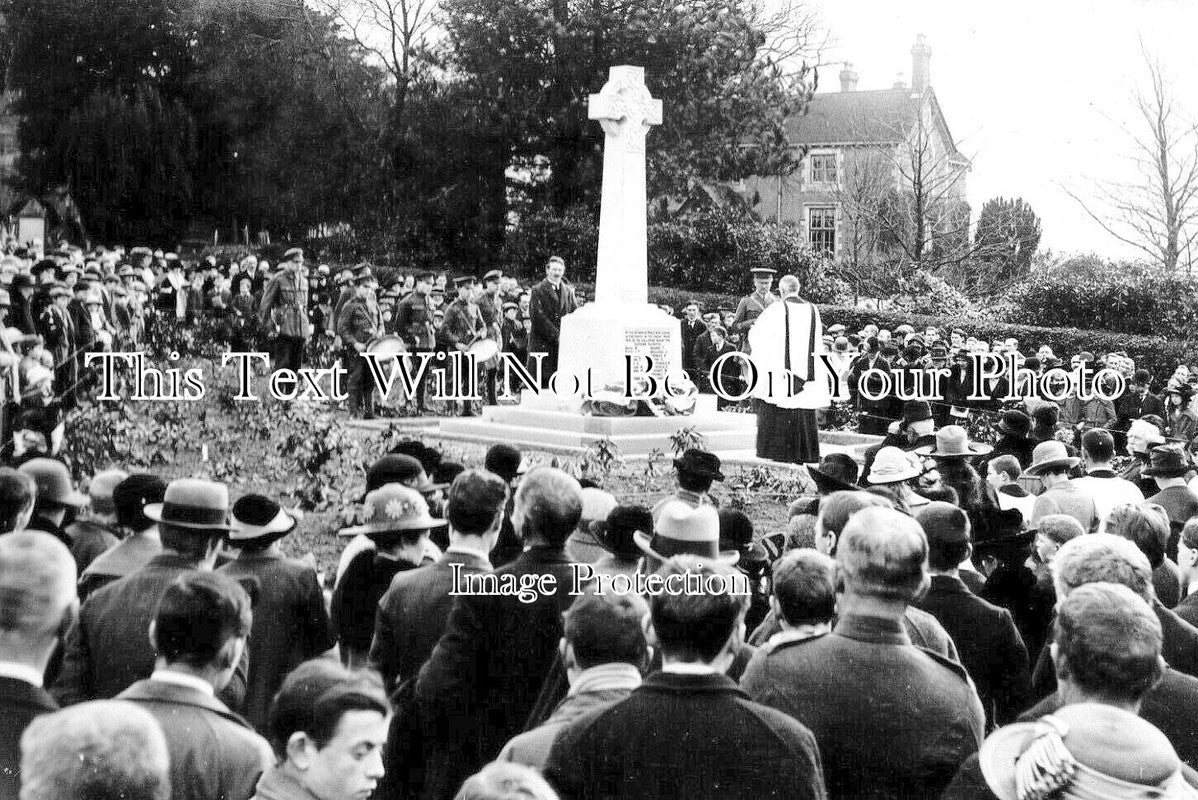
(868, 694)
(463, 326)
(284, 310)
(359, 323)
(490, 305)
(413, 322)
(751, 305)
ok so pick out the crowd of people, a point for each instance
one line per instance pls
(952, 620)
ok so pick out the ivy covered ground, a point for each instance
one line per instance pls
(305, 455)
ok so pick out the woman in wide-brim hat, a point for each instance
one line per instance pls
(837, 472)
(397, 520)
(952, 441)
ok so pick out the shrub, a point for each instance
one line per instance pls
(1157, 354)
(925, 293)
(1116, 300)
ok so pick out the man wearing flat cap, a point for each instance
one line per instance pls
(551, 299)
(284, 311)
(108, 649)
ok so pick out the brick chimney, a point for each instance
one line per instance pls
(848, 78)
(921, 65)
(900, 81)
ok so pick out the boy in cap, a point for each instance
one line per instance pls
(291, 623)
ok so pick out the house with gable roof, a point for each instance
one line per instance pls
(866, 152)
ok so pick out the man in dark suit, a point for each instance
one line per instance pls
(688, 731)
(991, 649)
(485, 674)
(893, 720)
(413, 612)
(692, 330)
(37, 592)
(291, 622)
(200, 629)
(1113, 559)
(1136, 401)
(108, 648)
(551, 300)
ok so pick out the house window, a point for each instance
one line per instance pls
(823, 168)
(821, 229)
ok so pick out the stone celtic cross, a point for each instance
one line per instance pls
(626, 111)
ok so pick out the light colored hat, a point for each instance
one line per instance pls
(193, 503)
(53, 482)
(391, 509)
(597, 504)
(952, 441)
(1050, 455)
(682, 529)
(892, 465)
(1080, 751)
(100, 489)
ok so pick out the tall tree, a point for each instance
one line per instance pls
(533, 65)
(1005, 242)
(1156, 212)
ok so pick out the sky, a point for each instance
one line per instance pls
(1034, 91)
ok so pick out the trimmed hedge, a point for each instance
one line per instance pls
(1158, 355)
(1122, 301)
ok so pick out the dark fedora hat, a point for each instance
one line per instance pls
(838, 472)
(699, 462)
(1015, 423)
(258, 518)
(1166, 461)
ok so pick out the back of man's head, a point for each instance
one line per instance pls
(694, 623)
(1108, 642)
(836, 508)
(1145, 524)
(606, 629)
(37, 587)
(948, 531)
(315, 696)
(1060, 528)
(1102, 558)
(805, 587)
(95, 751)
(198, 618)
(476, 501)
(548, 504)
(883, 554)
(1098, 445)
(17, 494)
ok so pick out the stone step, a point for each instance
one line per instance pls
(629, 443)
(611, 426)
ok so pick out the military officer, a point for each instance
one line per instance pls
(463, 326)
(359, 323)
(284, 310)
(413, 322)
(751, 305)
